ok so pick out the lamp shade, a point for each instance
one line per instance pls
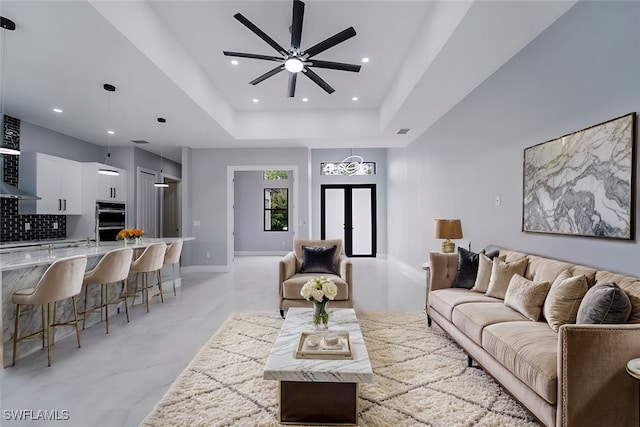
(447, 229)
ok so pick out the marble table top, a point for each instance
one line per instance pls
(42, 256)
(283, 366)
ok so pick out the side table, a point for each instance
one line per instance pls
(633, 368)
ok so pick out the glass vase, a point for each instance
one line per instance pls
(321, 315)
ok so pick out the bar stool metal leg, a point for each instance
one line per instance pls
(159, 276)
(75, 317)
(15, 334)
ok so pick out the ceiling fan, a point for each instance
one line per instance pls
(295, 60)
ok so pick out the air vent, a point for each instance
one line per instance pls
(140, 141)
(403, 131)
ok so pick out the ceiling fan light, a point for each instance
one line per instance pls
(293, 65)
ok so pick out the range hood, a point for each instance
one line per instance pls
(8, 191)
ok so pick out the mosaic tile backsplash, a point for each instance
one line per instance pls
(12, 224)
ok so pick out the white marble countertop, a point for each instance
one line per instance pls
(43, 256)
(283, 366)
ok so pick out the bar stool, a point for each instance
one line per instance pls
(62, 280)
(113, 267)
(172, 257)
(151, 260)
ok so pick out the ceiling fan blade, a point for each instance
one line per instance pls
(296, 24)
(260, 33)
(317, 80)
(330, 42)
(292, 84)
(333, 65)
(267, 75)
(253, 56)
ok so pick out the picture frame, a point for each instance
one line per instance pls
(582, 183)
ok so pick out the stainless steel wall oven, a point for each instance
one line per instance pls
(110, 219)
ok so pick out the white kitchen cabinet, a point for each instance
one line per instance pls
(55, 180)
(110, 188)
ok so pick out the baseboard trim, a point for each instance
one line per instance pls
(261, 253)
(206, 269)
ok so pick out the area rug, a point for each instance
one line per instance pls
(421, 378)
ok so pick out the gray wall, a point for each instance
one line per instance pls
(377, 155)
(583, 70)
(249, 234)
(205, 195)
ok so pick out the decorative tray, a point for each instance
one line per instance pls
(324, 345)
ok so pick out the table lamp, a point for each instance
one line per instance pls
(448, 229)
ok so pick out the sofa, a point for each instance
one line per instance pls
(573, 376)
(295, 271)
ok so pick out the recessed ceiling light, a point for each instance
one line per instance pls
(256, 100)
(234, 62)
(365, 60)
(305, 99)
(110, 132)
(57, 110)
(355, 98)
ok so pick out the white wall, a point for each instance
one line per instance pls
(205, 196)
(583, 70)
(377, 155)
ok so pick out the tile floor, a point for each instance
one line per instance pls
(115, 380)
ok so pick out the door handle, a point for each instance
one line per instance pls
(59, 204)
(65, 205)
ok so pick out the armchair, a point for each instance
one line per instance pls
(292, 277)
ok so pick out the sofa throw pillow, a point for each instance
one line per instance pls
(484, 274)
(467, 269)
(501, 273)
(491, 254)
(526, 297)
(604, 303)
(319, 259)
(563, 299)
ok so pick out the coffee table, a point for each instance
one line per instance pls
(318, 391)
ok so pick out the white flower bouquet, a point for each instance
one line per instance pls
(319, 290)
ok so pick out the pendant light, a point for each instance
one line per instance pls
(8, 25)
(107, 171)
(161, 183)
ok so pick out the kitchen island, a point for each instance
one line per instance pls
(22, 266)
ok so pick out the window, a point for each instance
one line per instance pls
(275, 175)
(276, 209)
(349, 168)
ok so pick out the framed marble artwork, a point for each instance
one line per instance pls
(582, 184)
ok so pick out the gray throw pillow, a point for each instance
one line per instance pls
(604, 303)
(319, 259)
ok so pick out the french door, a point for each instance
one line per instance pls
(348, 212)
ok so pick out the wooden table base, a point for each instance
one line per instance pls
(318, 403)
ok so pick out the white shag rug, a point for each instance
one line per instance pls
(421, 378)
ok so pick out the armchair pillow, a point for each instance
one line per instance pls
(319, 259)
(501, 273)
(526, 297)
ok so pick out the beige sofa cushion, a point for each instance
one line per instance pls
(529, 350)
(501, 273)
(471, 318)
(526, 296)
(563, 299)
(484, 273)
(542, 269)
(292, 286)
(445, 300)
